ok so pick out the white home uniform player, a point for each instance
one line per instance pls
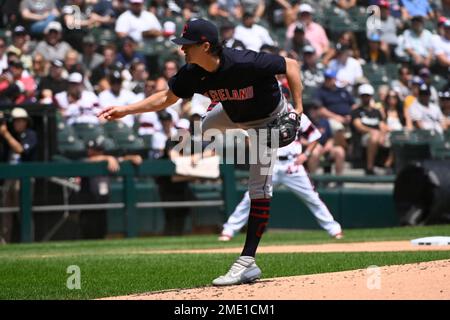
(293, 176)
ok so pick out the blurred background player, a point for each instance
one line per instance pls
(289, 171)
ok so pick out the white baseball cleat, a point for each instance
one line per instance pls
(244, 270)
(225, 237)
(339, 236)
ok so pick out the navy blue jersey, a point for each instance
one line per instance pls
(244, 83)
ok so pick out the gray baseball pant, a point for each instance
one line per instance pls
(260, 178)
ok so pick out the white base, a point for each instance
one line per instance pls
(431, 241)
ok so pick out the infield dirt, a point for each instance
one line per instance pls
(426, 280)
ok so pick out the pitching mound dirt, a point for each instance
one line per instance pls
(381, 246)
(428, 280)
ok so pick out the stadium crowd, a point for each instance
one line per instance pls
(364, 78)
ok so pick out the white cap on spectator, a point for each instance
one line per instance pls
(305, 8)
(75, 77)
(136, 1)
(366, 89)
(19, 113)
(54, 25)
(183, 124)
(170, 28)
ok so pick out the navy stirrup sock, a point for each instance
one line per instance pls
(257, 222)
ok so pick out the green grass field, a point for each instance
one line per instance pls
(119, 267)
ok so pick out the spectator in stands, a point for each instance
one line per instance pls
(335, 105)
(170, 69)
(76, 22)
(416, 82)
(139, 76)
(295, 45)
(444, 99)
(52, 47)
(54, 83)
(314, 32)
(252, 35)
(119, 7)
(164, 130)
(258, 7)
(128, 54)
(90, 59)
(94, 190)
(16, 84)
(227, 36)
(282, 13)
(346, 39)
(394, 117)
(138, 23)
(426, 76)
(393, 112)
(103, 70)
(3, 56)
(442, 49)
(118, 96)
(72, 62)
(426, 115)
(39, 68)
(348, 69)
(39, 14)
(326, 148)
(345, 4)
(160, 8)
(103, 12)
(373, 52)
(226, 9)
(148, 121)
(19, 143)
(388, 27)
(402, 83)
(21, 45)
(80, 15)
(77, 105)
(312, 70)
(368, 123)
(171, 188)
(416, 8)
(9, 13)
(417, 43)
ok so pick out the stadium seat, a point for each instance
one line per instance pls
(440, 150)
(103, 36)
(88, 131)
(71, 147)
(376, 74)
(308, 95)
(447, 135)
(438, 82)
(426, 136)
(131, 144)
(115, 129)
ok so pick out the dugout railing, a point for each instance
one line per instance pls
(25, 172)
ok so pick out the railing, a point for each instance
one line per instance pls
(25, 171)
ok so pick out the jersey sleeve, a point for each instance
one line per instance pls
(309, 130)
(266, 64)
(183, 83)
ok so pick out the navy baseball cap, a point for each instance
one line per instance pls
(198, 31)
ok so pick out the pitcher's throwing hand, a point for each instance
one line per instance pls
(111, 113)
